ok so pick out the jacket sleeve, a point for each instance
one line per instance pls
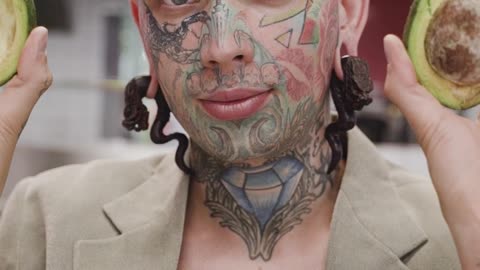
(22, 231)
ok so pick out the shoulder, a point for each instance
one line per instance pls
(413, 187)
(99, 181)
(421, 202)
(418, 195)
(46, 215)
(401, 210)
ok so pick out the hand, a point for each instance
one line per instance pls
(21, 94)
(452, 146)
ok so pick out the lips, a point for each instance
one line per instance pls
(235, 104)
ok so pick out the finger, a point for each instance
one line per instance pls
(23, 91)
(422, 110)
(33, 74)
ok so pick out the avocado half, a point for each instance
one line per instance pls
(443, 40)
(17, 19)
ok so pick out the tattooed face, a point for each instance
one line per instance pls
(236, 73)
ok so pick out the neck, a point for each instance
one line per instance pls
(263, 199)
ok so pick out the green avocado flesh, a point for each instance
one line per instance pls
(17, 19)
(443, 40)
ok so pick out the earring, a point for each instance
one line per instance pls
(135, 112)
(136, 118)
(349, 95)
(158, 137)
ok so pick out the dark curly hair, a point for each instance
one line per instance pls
(349, 95)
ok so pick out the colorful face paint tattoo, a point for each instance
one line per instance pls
(250, 85)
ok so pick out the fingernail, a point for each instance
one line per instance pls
(42, 46)
(391, 47)
(387, 49)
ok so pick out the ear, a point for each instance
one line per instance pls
(353, 15)
(134, 8)
(136, 11)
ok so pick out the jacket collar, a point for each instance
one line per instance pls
(152, 199)
(150, 221)
(369, 215)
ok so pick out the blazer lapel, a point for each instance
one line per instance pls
(370, 227)
(150, 222)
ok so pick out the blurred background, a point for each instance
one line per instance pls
(94, 49)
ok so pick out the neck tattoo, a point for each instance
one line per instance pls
(263, 203)
(264, 200)
(264, 190)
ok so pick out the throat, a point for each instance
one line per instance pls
(261, 202)
(264, 191)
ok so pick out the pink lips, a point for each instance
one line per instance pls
(235, 104)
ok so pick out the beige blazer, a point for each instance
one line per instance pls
(113, 215)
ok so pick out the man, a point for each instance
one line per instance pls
(248, 80)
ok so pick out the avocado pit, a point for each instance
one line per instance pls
(452, 43)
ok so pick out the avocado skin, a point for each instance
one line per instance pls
(31, 23)
(410, 20)
(445, 91)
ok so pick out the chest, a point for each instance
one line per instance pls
(240, 263)
(230, 252)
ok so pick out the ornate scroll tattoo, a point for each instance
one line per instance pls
(168, 39)
(263, 204)
(260, 204)
(269, 122)
(220, 16)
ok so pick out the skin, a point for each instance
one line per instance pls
(265, 64)
(441, 134)
(20, 95)
(452, 148)
(284, 139)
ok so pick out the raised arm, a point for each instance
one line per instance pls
(21, 94)
(452, 146)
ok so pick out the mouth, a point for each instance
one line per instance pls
(236, 104)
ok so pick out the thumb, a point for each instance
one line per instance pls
(23, 91)
(422, 110)
(20, 95)
(33, 71)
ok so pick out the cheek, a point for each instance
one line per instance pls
(193, 84)
(169, 73)
(329, 34)
(297, 67)
(307, 62)
(192, 40)
(172, 82)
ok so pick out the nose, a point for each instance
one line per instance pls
(228, 53)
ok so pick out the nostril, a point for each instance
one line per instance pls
(238, 58)
(212, 63)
